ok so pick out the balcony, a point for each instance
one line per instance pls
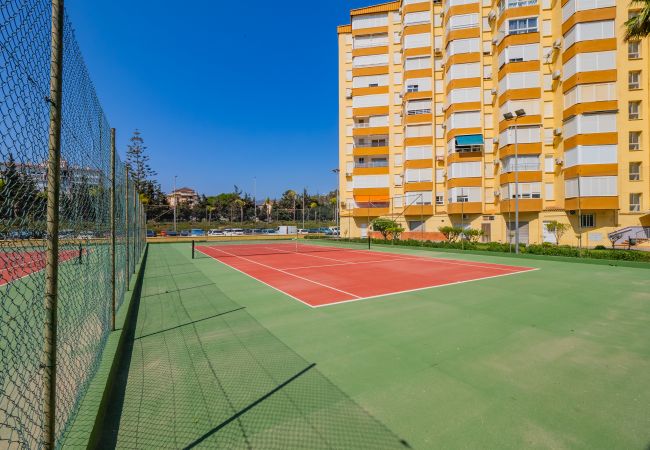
(523, 167)
(507, 4)
(470, 143)
(415, 112)
(371, 164)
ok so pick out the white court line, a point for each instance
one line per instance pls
(254, 278)
(423, 288)
(457, 262)
(351, 263)
(286, 273)
(525, 269)
(300, 253)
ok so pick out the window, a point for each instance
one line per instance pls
(589, 124)
(440, 200)
(589, 62)
(415, 107)
(412, 87)
(369, 21)
(370, 60)
(418, 175)
(595, 92)
(635, 171)
(635, 141)
(458, 46)
(634, 110)
(521, 26)
(417, 40)
(634, 79)
(419, 152)
(416, 18)
(587, 221)
(371, 40)
(463, 21)
(370, 81)
(634, 50)
(590, 154)
(464, 194)
(605, 186)
(422, 62)
(588, 31)
(465, 170)
(635, 202)
(525, 190)
(418, 198)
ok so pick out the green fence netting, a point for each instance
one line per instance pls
(84, 310)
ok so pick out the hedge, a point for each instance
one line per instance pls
(532, 249)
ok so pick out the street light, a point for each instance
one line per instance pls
(508, 116)
(337, 214)
(175, 201)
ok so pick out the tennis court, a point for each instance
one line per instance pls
(16, 265)
(320, 275)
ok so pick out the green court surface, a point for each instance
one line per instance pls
(553, 358)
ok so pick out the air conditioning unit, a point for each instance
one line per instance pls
(494, 91)
(495, 39)
(492, 15)
(559, 161)
(487, 76)
(557, 132)
(495, 140)
(445, 108)
(443, 126)
(556, 75)
(497, 162)
(557, 44)
(437, 51)
(440, 158)
(348, 95)
(442, 15)
(497, 193)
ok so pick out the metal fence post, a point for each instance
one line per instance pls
(127, 270)
(112, 243)
(135, 228)
(52, 254)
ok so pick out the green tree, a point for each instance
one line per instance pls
(472, 234)
(387, 228)
(137, 161)
(558, 229)
(451, 233)
(638, 26)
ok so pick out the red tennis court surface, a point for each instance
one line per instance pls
(321, 276)
(16, 265)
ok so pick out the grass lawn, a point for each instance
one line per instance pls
(553, 358)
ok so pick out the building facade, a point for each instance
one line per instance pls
(424, 87)
(183, 197)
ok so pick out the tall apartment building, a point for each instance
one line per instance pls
(424, 86)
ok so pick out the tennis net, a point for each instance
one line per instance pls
(254, 247)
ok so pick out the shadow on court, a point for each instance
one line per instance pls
(199, 371)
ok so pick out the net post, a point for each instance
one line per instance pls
(193, 247)
(50, 331)
(112, 225)
(127, 271)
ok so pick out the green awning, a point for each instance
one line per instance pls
(469, 139)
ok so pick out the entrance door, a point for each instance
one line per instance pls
(547, 236)
(364, 230)
(486, 228)
(523, 232)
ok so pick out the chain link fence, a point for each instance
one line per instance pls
(85, 276)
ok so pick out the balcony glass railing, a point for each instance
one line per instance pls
(371, 164)
(466, 149)
(369, 125)
(507, 4)
(415, 112)
(523, 167)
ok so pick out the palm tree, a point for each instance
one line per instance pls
(638, 26)
(313, 206)
(240, 204)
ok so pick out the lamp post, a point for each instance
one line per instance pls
(336, 209)
(175, 201)
(518, 113)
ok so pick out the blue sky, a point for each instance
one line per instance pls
(223, 91)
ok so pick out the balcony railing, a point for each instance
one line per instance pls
(371, 164)
(415, 112)
(503, 5)
(523, 167)
(372, 144)
(523, 30)
(369, 125)
(466, 149)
